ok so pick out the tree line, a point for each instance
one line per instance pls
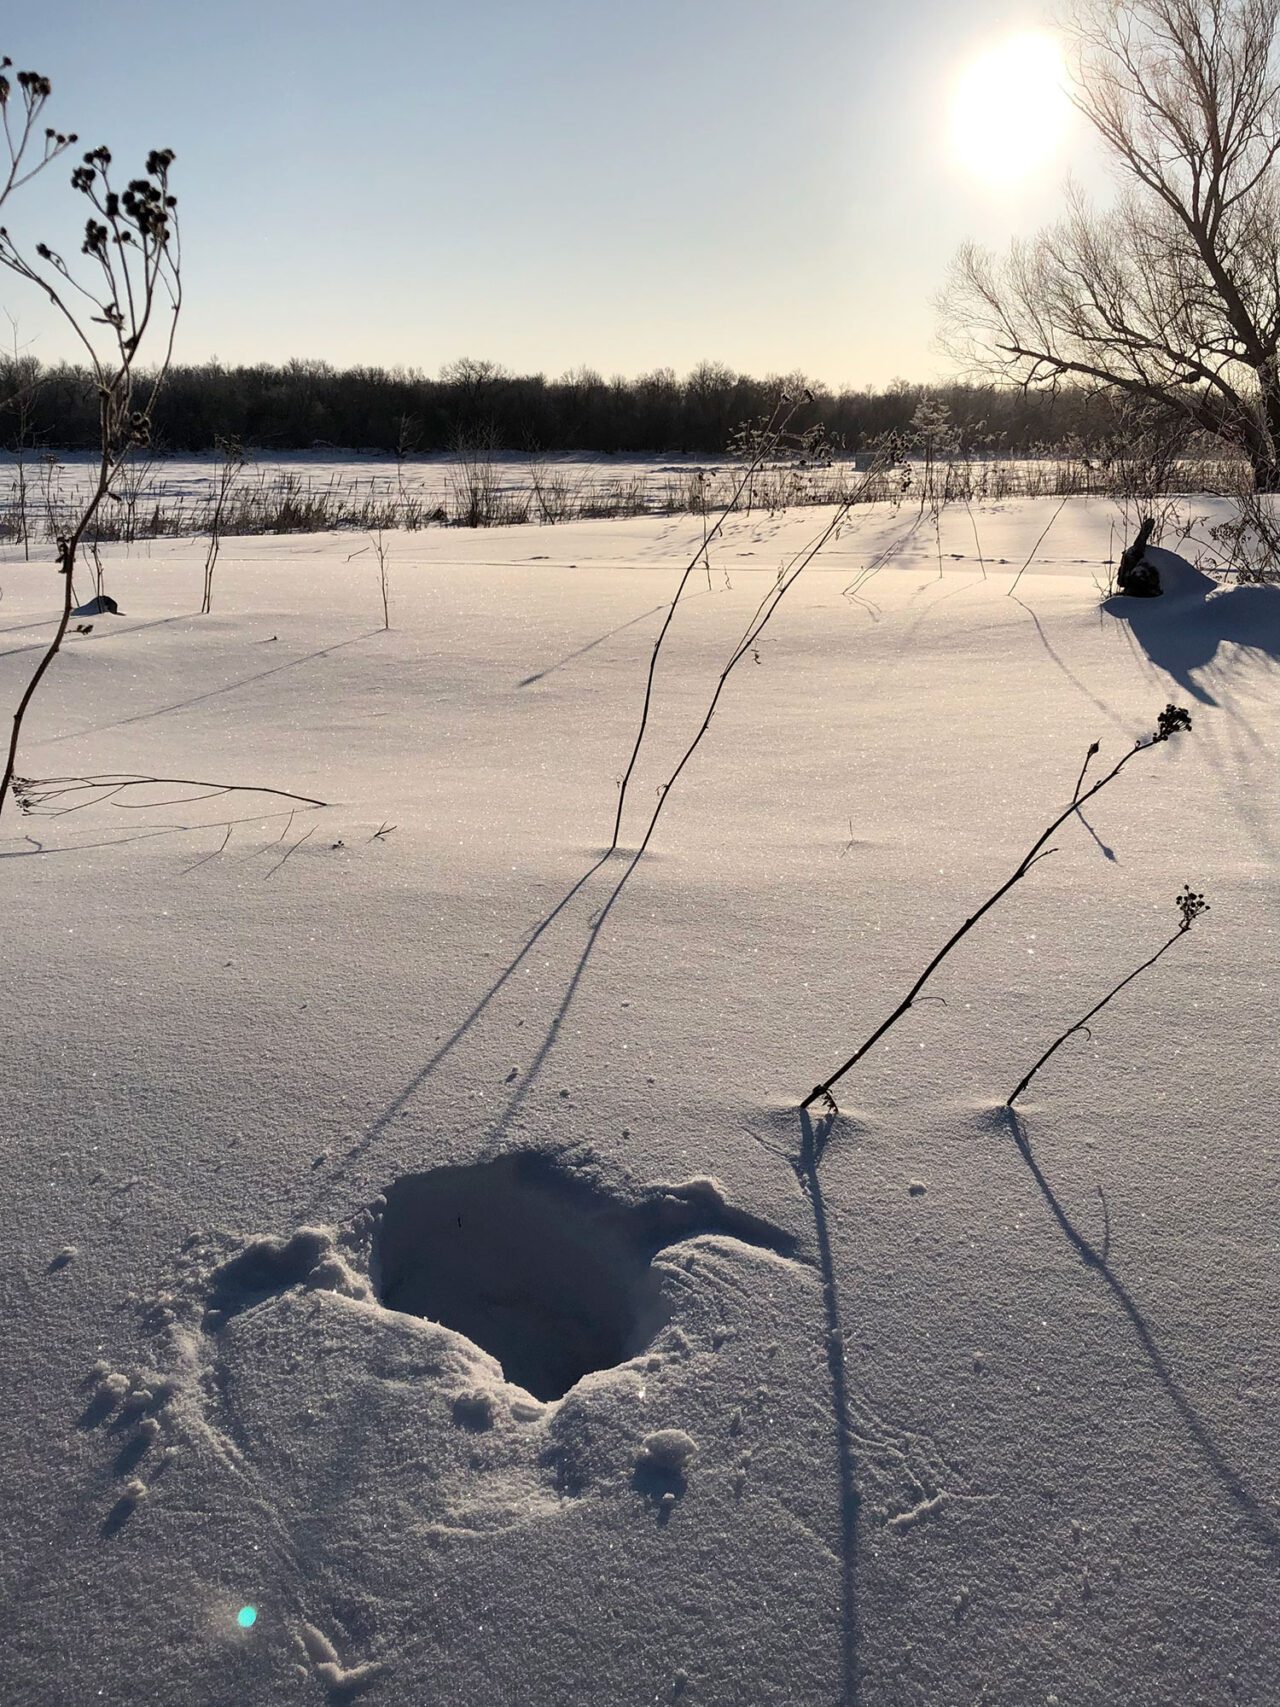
(301, 405)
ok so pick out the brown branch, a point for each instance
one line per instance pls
(1171, 719)
(768, 440)
(1192, 906)
(31, 793)
(145, 222)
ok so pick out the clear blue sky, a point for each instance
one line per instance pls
(547, 183)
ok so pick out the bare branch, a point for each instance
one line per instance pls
(1174, 294)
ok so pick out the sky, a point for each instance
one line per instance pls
(549, 184)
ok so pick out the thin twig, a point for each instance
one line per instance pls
(1192, 906)
(768, 440)
(974, 525)
(1171, 719)
(788, 575)
(219, 849)
(1052, 519)
(1094, 749)
(32, 793)
(289, 853)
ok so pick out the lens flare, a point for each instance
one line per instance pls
(247, 1617)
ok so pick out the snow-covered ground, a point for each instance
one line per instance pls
(974, 1423)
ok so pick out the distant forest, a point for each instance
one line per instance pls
(478, 405)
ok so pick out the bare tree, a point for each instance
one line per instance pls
(473, 382)
(1173, 294)
(408, 440)
(133, 267)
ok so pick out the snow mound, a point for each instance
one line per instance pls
(1178, 578)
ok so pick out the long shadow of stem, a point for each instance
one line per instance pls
(580, 651)
(1255, 1519)
(406, 1094)
(551, 1035)
(813, 1141)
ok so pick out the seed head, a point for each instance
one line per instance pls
(1191, 903)
(1170, 720)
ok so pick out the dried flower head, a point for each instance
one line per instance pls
(1191, 903)
(1170, 720)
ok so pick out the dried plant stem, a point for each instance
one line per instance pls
(974, 525)
(289, 852)
(135, 249)
(786, 579)
(381, 551)
(221, 848)
(229, 472)
(67, 556)
(1082, 1024)
(31, 794)
(777, 425)
(1044, 535)
(821, 1092)
(21, 142)
(1088, 760)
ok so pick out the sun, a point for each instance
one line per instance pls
(1010, 109)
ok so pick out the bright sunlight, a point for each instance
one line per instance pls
(1010, 109)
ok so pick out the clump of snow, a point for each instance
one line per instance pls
(343, 1680)
(666, 1449)
(269, 1264)
(134, 1492)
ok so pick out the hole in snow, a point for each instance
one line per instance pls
(541, 1268)
(529, 1262)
